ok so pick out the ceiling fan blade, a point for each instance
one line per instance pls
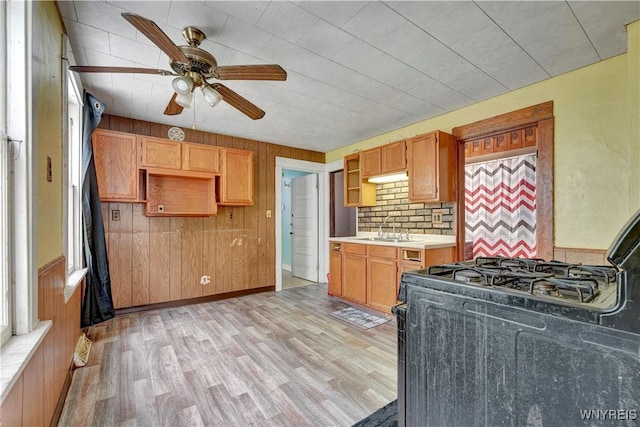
(238, 102)
(250, 72)
(156, 35)
(96, 69)
(173, 109)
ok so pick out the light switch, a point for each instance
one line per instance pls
(268, 213)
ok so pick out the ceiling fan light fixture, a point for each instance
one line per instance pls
(212, 96)
(182, 85)
(184, 100)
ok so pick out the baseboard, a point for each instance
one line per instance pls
(286, 267)
(63, 397)
(198, 300)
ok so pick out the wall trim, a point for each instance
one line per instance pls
(540, 115)
(51, 264)
(323, 212)
(190, 301)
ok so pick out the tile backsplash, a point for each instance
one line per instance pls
(417, 218)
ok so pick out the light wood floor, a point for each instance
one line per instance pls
(289, 281)
(271, 359)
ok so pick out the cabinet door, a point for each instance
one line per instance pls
(200, 157)
(115, 157)
(335, 273)
(394, 157)
(382, 278)
(161, 153)
(423, 167)
(371, 162)
(236, 181)
(354, 278)
(432, 167)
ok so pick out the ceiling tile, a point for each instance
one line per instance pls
(337, 12)
(132, 50)
(286, 20)
(284, 53)
(461, 24)
(102, 59)
(325, 39)
(546, 31)
(196, 14)
(157, 11)
(84, 36)
(68, 10)
(424, 13)
(223, 54)
(604, 23)
(79, 55)
(240, 36)
(374, 22)
(104, 16)
(247, 11)
(496, 54)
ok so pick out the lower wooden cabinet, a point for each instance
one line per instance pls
(370, 274)
(381, 283)
(335, 270)
(354, 272)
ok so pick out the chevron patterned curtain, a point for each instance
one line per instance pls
(500, 197)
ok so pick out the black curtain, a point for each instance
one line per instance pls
(97, 305)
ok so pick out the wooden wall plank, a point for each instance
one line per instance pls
(50, 394)
(120, 254)
(159, 259)
(140, 263)
(262, 213)
(191, 265)
(11, 409)
(33, 390)
(237, 254)
(175, 259)
(209, 253)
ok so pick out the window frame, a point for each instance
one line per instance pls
(72, 105)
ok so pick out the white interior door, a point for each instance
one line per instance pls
(304, 227)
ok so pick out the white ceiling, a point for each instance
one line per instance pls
(356, 69)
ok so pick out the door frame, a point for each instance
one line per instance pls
(540, 115)
(323, 217)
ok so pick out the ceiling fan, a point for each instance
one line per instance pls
(193, 67)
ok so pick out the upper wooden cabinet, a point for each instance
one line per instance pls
(115, 157)
(200, 157)
(371, 162)
(160, 153)
(382, 160)
(431, 165)
(394, 157)
(236, 181)
(357, 192)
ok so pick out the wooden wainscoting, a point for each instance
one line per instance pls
(160, 259)
(578, 255)
(37, 397)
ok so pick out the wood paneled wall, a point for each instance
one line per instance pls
(158, 259)
(584, 256)
(34, 398)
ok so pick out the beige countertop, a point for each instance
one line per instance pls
(416, 241)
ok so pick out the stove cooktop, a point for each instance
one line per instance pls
(588, 285)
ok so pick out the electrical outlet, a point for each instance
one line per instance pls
(49, 170)
(437, 218)
(115, 215)
(230, 216)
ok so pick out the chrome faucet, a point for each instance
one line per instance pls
(384, 222)
(394, 231)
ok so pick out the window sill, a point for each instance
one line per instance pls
(16, 354)
(73, 281)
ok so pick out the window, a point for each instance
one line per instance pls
(73, 162)
(5, 289)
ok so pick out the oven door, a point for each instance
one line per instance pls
(400, 311)
(473, 362)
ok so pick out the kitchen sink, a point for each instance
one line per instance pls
(384, 239)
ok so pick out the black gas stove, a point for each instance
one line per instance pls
(512, 341)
